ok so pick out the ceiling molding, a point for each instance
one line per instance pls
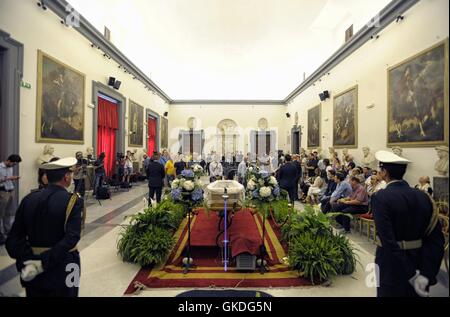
(95, 37)
(387, 16)
(228, 102)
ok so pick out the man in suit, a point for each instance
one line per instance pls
(156, 175)
(288, 178)
(298, 166)
(410, 241)
(44, 236)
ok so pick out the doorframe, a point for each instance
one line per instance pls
(154, 115)
(294, 130)
(100, 89)
(12, 74)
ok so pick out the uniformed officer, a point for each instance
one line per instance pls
(410, 240)
(44, 236)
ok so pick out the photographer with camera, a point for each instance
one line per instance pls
(100, 174)
(120, 162)
(79, 174)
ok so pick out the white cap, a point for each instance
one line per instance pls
(60, 164)
(390, 158)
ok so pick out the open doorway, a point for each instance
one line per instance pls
(11, 69)
(108, 124)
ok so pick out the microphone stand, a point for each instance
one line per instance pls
(225, 236)
(187, 260)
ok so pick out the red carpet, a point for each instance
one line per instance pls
(245, 235)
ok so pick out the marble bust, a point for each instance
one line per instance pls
(319, 153)
(441, 166)
(47, 155)
(332, 152)
(90, 153)
(397, 151)
(369, 159)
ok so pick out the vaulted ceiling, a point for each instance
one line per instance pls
(228, 49)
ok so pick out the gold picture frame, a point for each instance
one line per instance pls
(345, 124)
(164, 133)
(314, 134)
(135, 124)
(60, 102)
(427, 125)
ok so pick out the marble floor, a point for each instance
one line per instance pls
(105, 275)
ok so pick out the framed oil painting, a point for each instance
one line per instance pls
(418, 99)
(60, 102)
(345, 119)
(314, 127)
(135, 125)
(164, 133)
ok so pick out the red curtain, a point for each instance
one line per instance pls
(108, 123)
(151, 124)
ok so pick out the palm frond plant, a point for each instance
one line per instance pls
(315, 257)
(349, 257)
(151, 247)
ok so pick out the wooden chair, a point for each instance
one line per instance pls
(445, 225)
(370, 223)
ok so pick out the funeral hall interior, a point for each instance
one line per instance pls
(225, 147)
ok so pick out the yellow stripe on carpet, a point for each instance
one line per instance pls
(185, 238)
(226, 276)
(276, 243)
(212, 268)
(265, 238)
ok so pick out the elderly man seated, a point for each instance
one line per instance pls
(356, 203)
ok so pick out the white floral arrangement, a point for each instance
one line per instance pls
(262, 187)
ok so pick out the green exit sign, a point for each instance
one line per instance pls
(25, 85)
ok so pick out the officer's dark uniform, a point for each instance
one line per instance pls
(39, 224)
(402, 216)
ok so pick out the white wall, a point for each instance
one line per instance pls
(38, 29)
(424, 25)
(209, 116)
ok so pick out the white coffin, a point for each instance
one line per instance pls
(215, 191)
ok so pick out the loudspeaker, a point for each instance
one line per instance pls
(324, 95)
(117, 84)
(288, 115)
(166, 114)
(111, 81)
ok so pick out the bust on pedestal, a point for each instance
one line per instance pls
(369, 159)
(440, 183)
(47, 155)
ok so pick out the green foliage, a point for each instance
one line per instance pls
(281, 210)
(148, 238)
(348, 265)
(310, 219)
(314, 250)
(315, 256)
(150, 247)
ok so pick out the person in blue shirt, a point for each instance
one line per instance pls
(343, 189)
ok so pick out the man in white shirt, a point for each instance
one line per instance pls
(6, 195)
(242, 170)
(215, 170)
(239, 157)
(264, 163)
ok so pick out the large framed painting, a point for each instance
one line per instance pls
(135, 125)
(345, 119)
(60, 102)
(314, 127)
(418, 99)
(164, 133)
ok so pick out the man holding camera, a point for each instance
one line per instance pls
(79, 174)
(7, 180)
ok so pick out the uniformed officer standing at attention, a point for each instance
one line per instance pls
(44, 236)
(410, 241)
